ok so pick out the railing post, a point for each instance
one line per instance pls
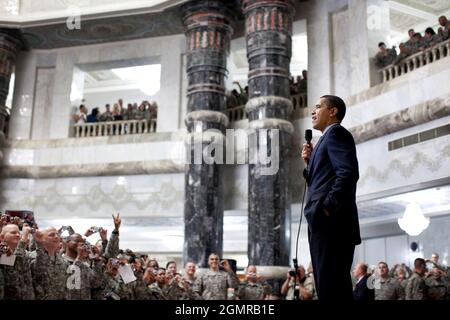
(441, 51)
(383, 74)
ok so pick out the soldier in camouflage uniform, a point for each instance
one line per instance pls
(140, 287)
(48, 268)
(18, 283)
(213, 284)
(81, 277)
(158, 288)
(431, 38)
(437, 284)
(386, 287)
(410, 43)
(189, 274)
(385, 56)
(178, 289)
(113, 284)
(416, 288)
(445, 27)
(306, 288)
(253, 288)
(404, 52)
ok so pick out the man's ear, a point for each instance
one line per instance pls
(333, 112)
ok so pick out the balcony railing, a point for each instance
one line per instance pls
(417, 60)
(114, 128)
(238, 113)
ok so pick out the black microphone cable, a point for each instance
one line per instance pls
(308, 136)
(299, 227)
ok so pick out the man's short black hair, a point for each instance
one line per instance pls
(410, 30)
(430, 30)
(169, 263)
(81, 106)
(417, 34)
(419, 262)
(336, 102)
(381, 44)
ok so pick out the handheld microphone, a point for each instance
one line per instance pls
(308, 136)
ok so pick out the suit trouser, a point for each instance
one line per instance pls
(332, 260)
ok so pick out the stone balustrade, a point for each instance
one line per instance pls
(114, 128)
(238, 113)
(415, 61)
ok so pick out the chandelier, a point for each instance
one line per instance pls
(413, 221)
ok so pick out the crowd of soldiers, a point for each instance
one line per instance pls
(51, 264)
(48, 265)
(402, 283)
(415, 43)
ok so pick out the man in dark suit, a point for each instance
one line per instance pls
(333, 226)
(362, 292)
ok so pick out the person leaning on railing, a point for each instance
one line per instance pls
(445, 27)
(385, 56)
(404, 52)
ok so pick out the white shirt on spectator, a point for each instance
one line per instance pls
(82, 118)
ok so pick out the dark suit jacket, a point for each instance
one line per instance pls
(362, 292)
(332, 175)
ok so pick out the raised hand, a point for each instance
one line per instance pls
(103, 234)
(117, 221)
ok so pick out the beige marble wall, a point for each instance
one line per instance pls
(318, 28)
(23, 97)
(369, 24)
(66, 62)
(42, 107)
(341, 62)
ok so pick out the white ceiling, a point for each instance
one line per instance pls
(416, 14)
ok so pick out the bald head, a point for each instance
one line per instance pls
(360, 270)
(50, 239)
(8, 228)
(11, 235)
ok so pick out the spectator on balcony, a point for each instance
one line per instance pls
(404, 52)
(292, 86)
(232, 99)
(445, 27)
(431, 38)
(93, 117)
(303, 85)
(242, 96)
(152, 110)
(385, 56)
(419, 44)
(107, 115)
(141, 111)
(127, 112)
(81, 116)
(117, 114)
(410, 43)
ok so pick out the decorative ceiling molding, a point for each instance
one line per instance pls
(412, 11)
(32, 17)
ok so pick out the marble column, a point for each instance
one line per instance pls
(319, 50)
(269, 32)
(10, 44)
(208, 31)
(369, 24)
